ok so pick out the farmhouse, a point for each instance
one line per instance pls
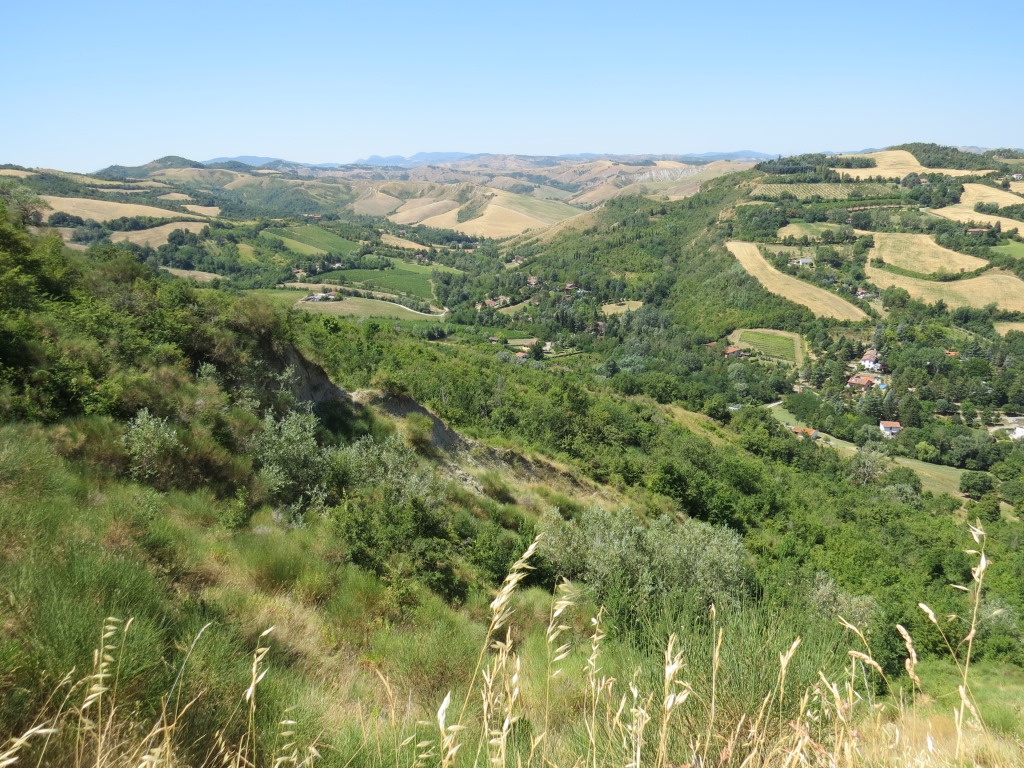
(870, 361)
(803, 261)
(805, 432)
(862, 294)
(1018, 177)
(861, 381)
(532, 281)
(890, 428)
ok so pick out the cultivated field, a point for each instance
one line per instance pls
(416, 211)
(15, 173)
(204, 210)
(921, 254)
(376, 204)
(781, 345)
(1003, 289)
(175, 196)
(1005, 327)
(101, 210)
(812, 230)
(980, 193)
(395, 281)
(898, 162)
(819, 301)
(866, 189)
(621, 307)
(311, 240)
(351, 306)
(1017, 186)
(1012, 248)
(156, 236)
(193, 274)
(401, 242)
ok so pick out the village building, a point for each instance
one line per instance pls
(805, 432)
(861, 381)
(732, 351)
(803, 261)
(890, 429)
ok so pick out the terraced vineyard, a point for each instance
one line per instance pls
(825, 191)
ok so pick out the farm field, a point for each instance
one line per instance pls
(398, 280)
(1005, 327)
(781, 345)
(15, 173)
(193, 274)
(980, 193)
(819, 301)
(352, 306)
(376, 204)
(204, 210)
(1003, 289)
(621, 307)
(511, 309)
(1017, 186)
(102, 210)
(812, 230)
(921, 254)
(316, 239)
(1012, 248)
(401, 242)
(156, 236)
(825, 191)
(897, 162)
(175, 196)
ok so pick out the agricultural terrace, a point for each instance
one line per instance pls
(621, 307)
(897, 162)
(1003, 289)
(781, 345)
(156, 236)
(102, 210)
(819, 301)
(921, 254)
(826, 191)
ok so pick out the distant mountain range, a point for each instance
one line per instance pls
(421, 159)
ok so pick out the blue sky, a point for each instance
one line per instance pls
(89, 84)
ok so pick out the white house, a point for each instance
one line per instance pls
(870, 361)
(890, 428)
(1017, 433)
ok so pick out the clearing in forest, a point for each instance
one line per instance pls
(812, 230)
(102, 210)
(194, 274)
(1005, 327)
(997, 287)
(781, 345)
(401, 242)
(204, 210)
(621, 307)
(156, 236)
(921, 254)
(982, 193)
(818, 300)
(352, 306)
(898, 162)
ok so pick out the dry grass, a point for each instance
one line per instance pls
(377, 203)
(1003, 289)
(15, 173)
(980, 193)
(496, 221)
(921, 254)
(401, 242)
(1004, 328)
(1017, 186)
(102, 210)
(416, 211)
(175, 196)
(156, 236)
(819, 301)
(621, 307)
(812, 230)
(194, 274)
(507, 717)
(897, 162)
(204, 210)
